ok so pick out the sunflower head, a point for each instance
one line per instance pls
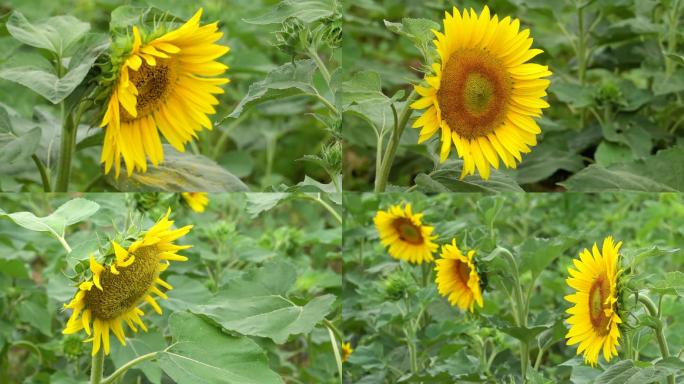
(404, 233)
(483, 95)
(116, 290)
(197, 201)
(594, 319)
(457, 277)
(163, 82)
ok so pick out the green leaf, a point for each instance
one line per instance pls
(525, 334)
(663, 172)
(261, 202)
(126, 15)
(15, 149)
(419, 31)
(37, 315)
(180, 172)
(448, 180)
(627, 372)
(256, 305)
(364, 87)
(609, 153)
(56, 34)
(574, 95)
(202, 353)
(536, 254)
(544, 162)
(14, 268)
(38, 74)
(672, 283)
(305, 10)
(285, 81)
(69, 213)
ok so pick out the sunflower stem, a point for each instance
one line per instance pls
(97, 367)
(395, 137)
(124, 368)
(66, 152)
(43, 173)
(657, 329)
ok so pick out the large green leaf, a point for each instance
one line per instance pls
(136, 346)
(257, 305)
(180, 172)
(419, 31)
(37, 74)
(663, 172)
(672, 283)
(56, 34)
(448, 180)
(305, 10)
(544, 162)
(201, 353)
(285, 81)
(629, 372)
(71, 212)
(536, 254)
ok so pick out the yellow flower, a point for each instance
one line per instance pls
(197, 201)
(483, 96)
(115, 291)
(164, 85)
(594, 319)
(405, 235)
(346, 351)
(457, 277)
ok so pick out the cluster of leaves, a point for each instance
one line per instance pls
(255, 303)
(276, 127)
(615, 121)
(403, 331)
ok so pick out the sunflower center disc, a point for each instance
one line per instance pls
(463, 272)
(154, 84)
(408, 232)
(123, 291)
(598, 294)
(474, 93)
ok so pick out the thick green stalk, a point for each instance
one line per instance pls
(66, 153)
(395, 137)
(658, 330)
(97, 367)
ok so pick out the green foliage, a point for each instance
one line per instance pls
(402, 330)
(253, 304)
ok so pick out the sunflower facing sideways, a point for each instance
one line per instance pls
(115, 291)
(483, 96)
(594, 317)
(163, 84)
(404, 233)
(457, 277)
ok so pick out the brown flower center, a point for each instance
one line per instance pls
(474, 93)
(462, 272)
(154, 84)
(123, 291)
(408, 231)
(599, 292)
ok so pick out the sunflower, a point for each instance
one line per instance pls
(347, 350)
(197, 201)
(457, 277)
(483, 95)
(164, 84)
(115, 291)
(405, 235)
(594, 318)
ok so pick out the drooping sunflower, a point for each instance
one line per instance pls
(197, 201)
(457, 277)
(594, 317)
(115, 292)
(404, 233)
(163, 84)
(347, 350)
(483, 95)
